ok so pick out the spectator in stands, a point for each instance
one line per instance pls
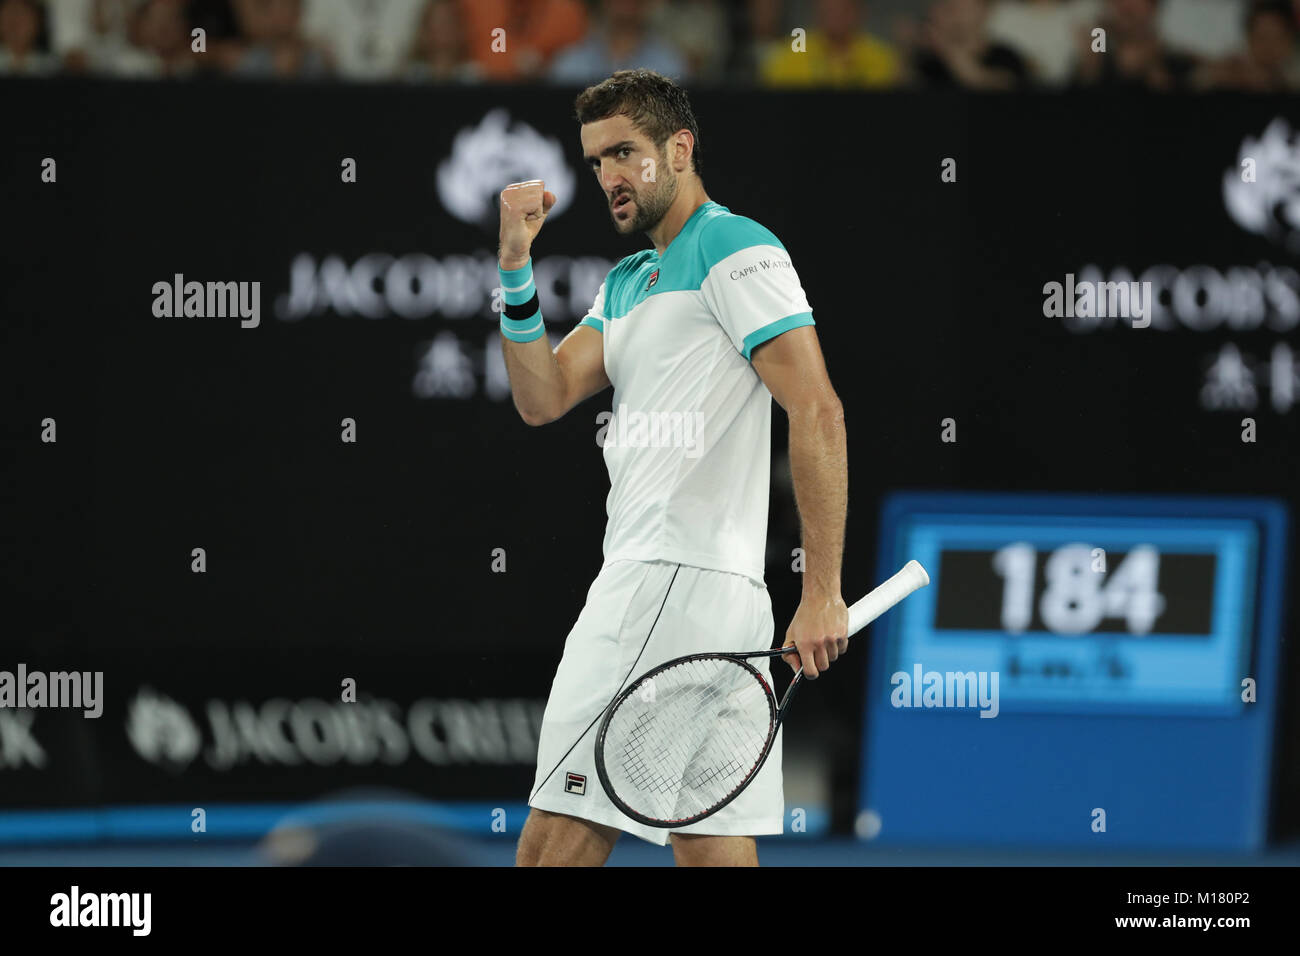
(272, 44)
(89, 34)
(363, 39)
(1043, 32)
(1134, 57)
(701, 32)
(221, 35)
(158, 35)
(23, 43)
(1205, 29)
(1293, 68)
(622, 39)
(439, 54)
(1268, 63)
(536, 30)
(836, 52)
(761, 25)
(953, 49)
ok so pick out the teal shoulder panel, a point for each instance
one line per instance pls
(627, 281)
(711, 234)
(727, 234)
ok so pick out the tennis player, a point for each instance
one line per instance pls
(696, 336)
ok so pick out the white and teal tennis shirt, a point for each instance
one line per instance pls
(689, 445)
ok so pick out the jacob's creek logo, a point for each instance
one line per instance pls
(380, 285)
(75, 908)
(495, 152)
(18, 744)
(312, 732)
(1262, 192)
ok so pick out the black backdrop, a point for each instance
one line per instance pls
(373, 560)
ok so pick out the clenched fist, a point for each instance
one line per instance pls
(523, 210)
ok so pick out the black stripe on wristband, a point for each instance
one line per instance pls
(525, 310)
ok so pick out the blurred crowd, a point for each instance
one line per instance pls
(976, 44)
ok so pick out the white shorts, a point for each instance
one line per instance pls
(638, 615)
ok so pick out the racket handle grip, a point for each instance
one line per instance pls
(909, 579)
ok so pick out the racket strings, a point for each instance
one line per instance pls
(687, 737)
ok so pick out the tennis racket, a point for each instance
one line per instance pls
(684, 739)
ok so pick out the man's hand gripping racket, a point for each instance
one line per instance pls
(684, 739)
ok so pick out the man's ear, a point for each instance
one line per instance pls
(684, 145)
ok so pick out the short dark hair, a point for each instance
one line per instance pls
(655, 104)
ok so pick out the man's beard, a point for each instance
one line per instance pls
(650, 208)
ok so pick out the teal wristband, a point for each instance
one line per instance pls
(517, 284)
(523, 330)
(521, 315)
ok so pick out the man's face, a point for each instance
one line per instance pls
(638, 192)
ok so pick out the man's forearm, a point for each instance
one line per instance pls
(536, 380)
(820, 469)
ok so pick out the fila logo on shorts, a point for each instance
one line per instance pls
(575, 783)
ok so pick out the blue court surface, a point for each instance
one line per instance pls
(633, 852)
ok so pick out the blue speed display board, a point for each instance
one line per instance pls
(1082, 671)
